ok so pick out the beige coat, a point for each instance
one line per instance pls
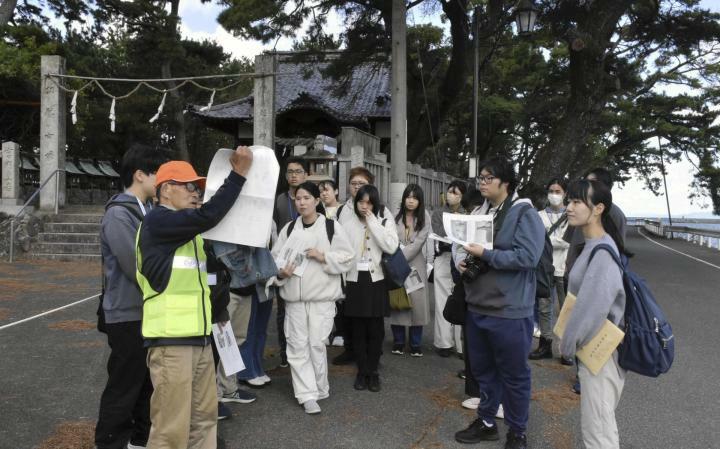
(419, 315)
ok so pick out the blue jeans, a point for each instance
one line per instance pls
(254, 346)
(415, 335)
(498, 349)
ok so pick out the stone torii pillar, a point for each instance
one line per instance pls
(52, 131)
(264, 101)
(11, 201)
(398, 120)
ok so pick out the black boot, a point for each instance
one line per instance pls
(543, 351)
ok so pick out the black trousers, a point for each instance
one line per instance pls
(280, 321)
(368, 335)
(125, 403)
(471, 386)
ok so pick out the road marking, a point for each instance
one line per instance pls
(674, 250)
(48, 312)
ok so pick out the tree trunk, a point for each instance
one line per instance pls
(178, 100)
(7, 10)
(590, 88)
(457, 71)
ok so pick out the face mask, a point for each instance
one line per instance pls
(453, 199)
(555, 199)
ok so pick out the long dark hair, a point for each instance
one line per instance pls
(592, 193)
(312, 188)
(419, 213)
(373, 195)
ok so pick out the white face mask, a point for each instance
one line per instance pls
(555, 199)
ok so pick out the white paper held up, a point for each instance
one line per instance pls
(228, 349)
(249, 221)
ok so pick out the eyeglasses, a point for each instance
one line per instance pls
(295, 172)
(190, 186)
(358, 184)
(486, 179)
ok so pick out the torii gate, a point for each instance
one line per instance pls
(53, 121)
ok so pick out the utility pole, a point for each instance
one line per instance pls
(398, 119)
(476, 86)
(667, 198)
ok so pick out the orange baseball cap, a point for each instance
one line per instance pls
(178, 171)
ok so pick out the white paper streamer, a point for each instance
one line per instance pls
(73, 108)
(212, 97)
(160, 109)
(112, 115)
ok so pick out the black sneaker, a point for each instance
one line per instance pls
(374, 383)
(283, 360)
(477, 432)
(567, 361)
(344, 359)
(416, 352)
(360, 382)
(462, 374)
(515, 441)
(445, 352)
(223, 412)
(398, 349)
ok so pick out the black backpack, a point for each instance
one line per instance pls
(130, 207)
(545, 271)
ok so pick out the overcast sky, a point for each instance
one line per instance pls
(200, 22)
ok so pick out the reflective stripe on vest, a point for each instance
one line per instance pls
(183, 308)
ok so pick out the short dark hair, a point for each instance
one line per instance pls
(328, 182)
(296, 160)
(362, 171)
(602, 175)
(562, 182)
(503, 169)
(458, 184)
(373, 196)
(472, 199)
(139, 157)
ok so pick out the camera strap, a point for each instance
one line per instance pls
(501, 213)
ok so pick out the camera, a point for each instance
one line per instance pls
(474, 267)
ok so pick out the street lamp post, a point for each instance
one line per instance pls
(525, 17)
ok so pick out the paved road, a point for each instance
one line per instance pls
(52, 373)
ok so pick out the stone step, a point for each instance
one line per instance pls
(76, 218)
(67, 248)
(66, 257)
(89, 228)
(68, 237)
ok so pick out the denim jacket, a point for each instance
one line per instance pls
(248, 265)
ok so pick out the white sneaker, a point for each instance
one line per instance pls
(256, 382)
(471, 403)
(338, 341)
(500, 413)
(265, 378)
(311, 407)
(536, 332)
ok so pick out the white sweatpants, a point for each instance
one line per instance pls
(443, 284)
(307, 325)
(598, 401)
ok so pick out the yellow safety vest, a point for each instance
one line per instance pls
(183, 309)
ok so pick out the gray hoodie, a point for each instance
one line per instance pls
(123, 299)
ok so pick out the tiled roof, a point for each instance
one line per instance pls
(301, 85)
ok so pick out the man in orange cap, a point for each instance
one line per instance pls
(172, 274)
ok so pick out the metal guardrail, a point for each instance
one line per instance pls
(30, 200)
(703, 237)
